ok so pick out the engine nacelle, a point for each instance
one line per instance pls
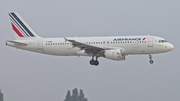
(114, 54)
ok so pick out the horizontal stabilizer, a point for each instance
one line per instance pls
(17, 42)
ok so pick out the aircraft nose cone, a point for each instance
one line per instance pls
(171, 47)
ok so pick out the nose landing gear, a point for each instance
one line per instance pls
(150, 57)
(151, 61)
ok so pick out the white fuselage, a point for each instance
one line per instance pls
(128, 45)
(110, 47)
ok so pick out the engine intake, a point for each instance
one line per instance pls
(114, 55)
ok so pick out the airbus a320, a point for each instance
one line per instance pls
(109, 47)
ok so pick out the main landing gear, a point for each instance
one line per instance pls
(150, 57)
(94, 62)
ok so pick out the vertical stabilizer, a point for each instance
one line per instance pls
(21, 28)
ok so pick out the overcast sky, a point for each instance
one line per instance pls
(28, 76)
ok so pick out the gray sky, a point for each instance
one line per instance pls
(28, 76)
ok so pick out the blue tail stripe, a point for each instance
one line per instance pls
(22, 24)
(18, 25)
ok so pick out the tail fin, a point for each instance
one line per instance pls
(21, 28)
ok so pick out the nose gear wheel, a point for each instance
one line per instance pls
(150, 57)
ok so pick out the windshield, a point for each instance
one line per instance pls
(162, 41)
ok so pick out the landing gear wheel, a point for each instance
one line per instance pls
(151, 61)
(150, 57)
(92, 62)
(96, 63)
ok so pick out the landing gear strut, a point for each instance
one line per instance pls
(150, 57)
(94, 62)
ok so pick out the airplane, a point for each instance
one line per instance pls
(109, 47)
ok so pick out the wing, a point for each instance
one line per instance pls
(89, 49)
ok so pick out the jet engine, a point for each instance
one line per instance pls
(114, 54)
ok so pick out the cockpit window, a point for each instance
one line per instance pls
(162, 41)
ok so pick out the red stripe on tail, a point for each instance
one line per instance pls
(16, 30)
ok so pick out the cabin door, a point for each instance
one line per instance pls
(150, 42)
(40, 44)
